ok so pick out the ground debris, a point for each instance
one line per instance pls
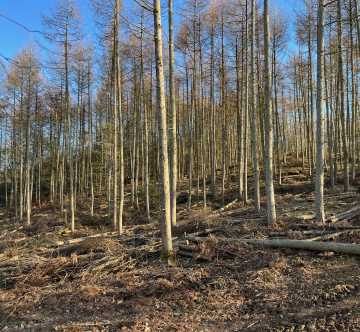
(99, 281)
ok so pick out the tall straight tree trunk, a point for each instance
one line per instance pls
(353, 97)
(212, 112)
(240, 119)
(310, 102)
(246, 105)
(276, 111)
(319, 182)
(121, 147)
(173, 148)
(269, 177)
(68, 143)
(253, 117)
(115, 111)
(164, 162)
(223, 114)
(90, 139)
(21, 170)
(202, 122)
(342, 98)
(146, 127)
(27, 156)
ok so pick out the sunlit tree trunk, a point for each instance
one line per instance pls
(271, 211)
(319, 183)
(172, 104)
(162, 126)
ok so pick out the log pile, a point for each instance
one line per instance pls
(346, 215)
(319, 241)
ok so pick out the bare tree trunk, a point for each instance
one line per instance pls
(253, 117)
(146, 128)
(212, 112)
(115, 111)
(271, 210)
(121, 147)
(164, 163)
(246, 105)
(342, 98)
(68, 143)
(173, 148)
(319, 183)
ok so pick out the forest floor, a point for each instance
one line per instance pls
(52, 280)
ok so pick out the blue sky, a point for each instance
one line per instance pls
(29, 13)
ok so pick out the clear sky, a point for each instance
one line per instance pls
(29, 13)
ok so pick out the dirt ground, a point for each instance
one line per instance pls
(118, 283)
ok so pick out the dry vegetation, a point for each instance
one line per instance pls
(51, 279)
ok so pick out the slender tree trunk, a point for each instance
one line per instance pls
(173, 150)
(319, 183)
(342, 98)
(115, 111)
(253, 117)
(271, 210)
(164, 163)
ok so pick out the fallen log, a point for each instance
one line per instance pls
(206, 231)
(6, 233)
(342, 195)
(191, 253)
(341, 248)
(226, 206)
(346, 215)
(330, 236)
(81, 239)
(317, 232)
(324, 227)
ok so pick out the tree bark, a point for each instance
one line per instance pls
(162, 126)
(319, 183)
(271, 210)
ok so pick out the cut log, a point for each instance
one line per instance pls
(7, 233)
(332, 235)
(326, 227)
(315, 232)
(341, 248)
(226, 206)
(207, 231)
(192, 254)
(305, 216)
(81, 239)
(346, 215)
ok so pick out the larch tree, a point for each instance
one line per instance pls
(253, 113)
(319, 183)
(63, 31)
(268, 157)
(173, 126)
(162, 126)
